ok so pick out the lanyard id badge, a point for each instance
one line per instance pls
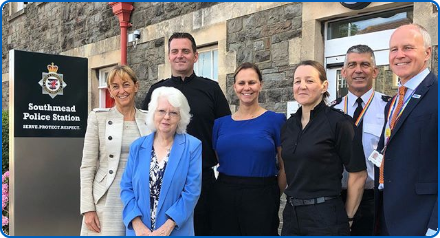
(376, 158)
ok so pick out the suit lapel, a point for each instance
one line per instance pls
(173, 162)
(421, 90)
(114, 124)
(144, 157)
(141, 123)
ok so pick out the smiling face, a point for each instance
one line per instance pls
(247, 86)
(123, 91)
(408, 54)
(308, 89)
(359, 73)
(166, 117)
(182, 57)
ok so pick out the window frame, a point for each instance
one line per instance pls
(211, 48)
(367, 16)
(102, 86)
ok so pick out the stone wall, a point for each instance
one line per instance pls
(144, 60)
(434, 60)
(5, 95)
(58, 27)
(148, 13)
(263, 38)
(54, 28)
(384, 81)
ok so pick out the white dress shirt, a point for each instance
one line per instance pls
(373, 122)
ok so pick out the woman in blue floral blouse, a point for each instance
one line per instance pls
(162, 181)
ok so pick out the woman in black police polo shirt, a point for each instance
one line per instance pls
(317, 141)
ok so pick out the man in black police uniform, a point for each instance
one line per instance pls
(366, 107)
(207, 103)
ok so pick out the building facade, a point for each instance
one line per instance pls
(274, 35)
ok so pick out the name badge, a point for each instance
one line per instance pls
(376, 158)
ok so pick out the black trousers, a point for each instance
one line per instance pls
(323, 219)
(363, 223)
(202, 226)
(381, 229)
(245, 206)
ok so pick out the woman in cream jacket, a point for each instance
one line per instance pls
(108, 137)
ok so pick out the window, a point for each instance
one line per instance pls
(370, 23)
(207, 64)
(105, 101)
(342, 88)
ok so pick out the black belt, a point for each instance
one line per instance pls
(303, 202)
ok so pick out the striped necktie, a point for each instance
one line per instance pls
(402, 91)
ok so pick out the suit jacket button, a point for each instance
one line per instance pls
(110, 171)
(110, 138)
(111, 156)
(110, 122)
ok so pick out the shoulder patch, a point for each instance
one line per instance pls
(101, 109)
(386, 98)
(335, 102)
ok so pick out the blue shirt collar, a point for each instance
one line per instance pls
(416, 80)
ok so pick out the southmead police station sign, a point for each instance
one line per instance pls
(48, 107)
(53, 95)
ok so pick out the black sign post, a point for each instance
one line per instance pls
(48, 118)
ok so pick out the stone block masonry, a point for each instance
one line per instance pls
(262, 38)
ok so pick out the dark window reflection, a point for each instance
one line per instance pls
(371, 23)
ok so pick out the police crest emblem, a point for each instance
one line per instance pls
(52, 83)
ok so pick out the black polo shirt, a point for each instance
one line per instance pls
(207, 103)
(314, 157)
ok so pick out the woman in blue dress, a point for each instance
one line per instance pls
(246, 195)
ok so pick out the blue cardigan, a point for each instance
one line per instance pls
(181, 184)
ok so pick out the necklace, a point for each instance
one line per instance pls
(166, 147)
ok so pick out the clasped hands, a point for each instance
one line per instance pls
(142, 230)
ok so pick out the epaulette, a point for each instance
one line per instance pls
(386, 98)
(101, 109)
(335, 102)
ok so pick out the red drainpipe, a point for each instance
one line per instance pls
(123, 11)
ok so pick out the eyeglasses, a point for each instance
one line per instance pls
(171, 114)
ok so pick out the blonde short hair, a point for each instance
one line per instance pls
(124, 72)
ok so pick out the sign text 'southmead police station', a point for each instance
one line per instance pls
(53, 102)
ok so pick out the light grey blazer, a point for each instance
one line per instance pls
(102, 149)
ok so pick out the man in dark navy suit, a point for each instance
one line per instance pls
(408, 175)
